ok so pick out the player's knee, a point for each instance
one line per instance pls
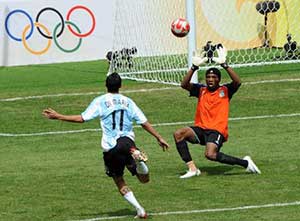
(210, 156)
(177, 136)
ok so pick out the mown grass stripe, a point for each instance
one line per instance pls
(155, 125)
(129, 91)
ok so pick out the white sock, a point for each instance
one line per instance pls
(141, 168)
(132, 200)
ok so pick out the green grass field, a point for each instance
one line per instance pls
(60, 176)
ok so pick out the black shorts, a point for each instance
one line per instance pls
(208, 136)
(118, 157)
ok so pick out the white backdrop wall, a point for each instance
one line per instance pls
(94, 19)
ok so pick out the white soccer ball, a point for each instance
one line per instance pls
(180, 27)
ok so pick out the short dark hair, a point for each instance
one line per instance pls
(215, 71)
(113, 82)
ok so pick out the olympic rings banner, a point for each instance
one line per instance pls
(40, 31)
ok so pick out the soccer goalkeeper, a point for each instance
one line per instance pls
(117, 114)
(211, 118)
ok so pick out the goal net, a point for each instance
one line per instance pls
(254, 33)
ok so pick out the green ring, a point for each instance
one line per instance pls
(56, 42)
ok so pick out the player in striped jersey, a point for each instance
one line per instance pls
(117, 114)
(211, 118)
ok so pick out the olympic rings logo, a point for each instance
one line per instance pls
(44, 32)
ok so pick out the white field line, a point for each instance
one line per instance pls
(296, 203)
(129, 91)
(155, 125)
(271, 81)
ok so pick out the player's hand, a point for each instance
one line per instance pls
(163, 144)
(222, 54)
(50, 113)
(198, 60)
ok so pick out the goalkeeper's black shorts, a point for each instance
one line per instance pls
(208, 136)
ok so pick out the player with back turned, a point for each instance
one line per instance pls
(117, 114)
(211, 118)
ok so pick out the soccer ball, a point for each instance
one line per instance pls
(180, 27)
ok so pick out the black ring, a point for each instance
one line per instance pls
(60, 16)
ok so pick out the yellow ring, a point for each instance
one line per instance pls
(37, 24)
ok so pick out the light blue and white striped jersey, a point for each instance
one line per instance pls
(117, 114)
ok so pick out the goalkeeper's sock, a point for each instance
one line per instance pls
(226, 159)
(141, 168)
(183, 151)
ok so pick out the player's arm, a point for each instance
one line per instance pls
(148, 127)
(186, 81)
(196, 61)
(52, 114)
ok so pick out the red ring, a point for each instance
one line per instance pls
(81, 35)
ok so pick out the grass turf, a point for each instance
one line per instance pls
(61, 177)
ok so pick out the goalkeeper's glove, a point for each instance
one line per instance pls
(198, 60)
(222, 54)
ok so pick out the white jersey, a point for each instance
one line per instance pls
(117, 114)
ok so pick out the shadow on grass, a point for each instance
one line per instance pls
(109, 214)
(222, 170)
(219, 170)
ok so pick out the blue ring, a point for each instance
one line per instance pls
(6, 24)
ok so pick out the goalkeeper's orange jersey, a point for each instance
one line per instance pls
(213, 107)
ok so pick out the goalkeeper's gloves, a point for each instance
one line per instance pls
(198, 60)
(222, 54)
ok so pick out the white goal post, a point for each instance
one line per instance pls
(254, 32)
